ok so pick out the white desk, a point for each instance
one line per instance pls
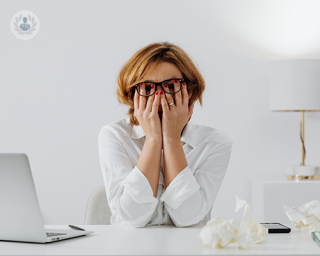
(157, 240)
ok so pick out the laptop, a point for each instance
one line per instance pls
(20, 215)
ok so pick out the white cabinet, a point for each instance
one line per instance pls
(269, 195)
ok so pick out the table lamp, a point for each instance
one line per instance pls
(295, 87)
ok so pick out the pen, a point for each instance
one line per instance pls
(316, 237)
(77, 228)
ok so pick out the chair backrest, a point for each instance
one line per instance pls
(98, 211)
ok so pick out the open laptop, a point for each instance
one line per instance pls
(20, 215)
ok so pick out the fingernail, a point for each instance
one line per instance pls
(156, 92)
(161, 92)
(165, 85)
(176, 81)
(141, 84)
(152, 86)
(184, 83)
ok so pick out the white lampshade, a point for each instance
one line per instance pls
(295, 85)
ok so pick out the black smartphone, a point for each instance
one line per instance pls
(276, 228)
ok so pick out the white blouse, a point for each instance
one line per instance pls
(189, 197)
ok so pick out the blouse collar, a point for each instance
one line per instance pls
(189, 134)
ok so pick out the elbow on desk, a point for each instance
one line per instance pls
(177, 223)
(136, 215)
(194, 215)
(185, 223)
(139, 222)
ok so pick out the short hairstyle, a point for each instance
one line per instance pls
(134, 71)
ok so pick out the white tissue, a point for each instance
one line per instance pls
(307, 218)
(218, 232)
(249, 225)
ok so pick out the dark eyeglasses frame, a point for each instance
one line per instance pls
(181, 80)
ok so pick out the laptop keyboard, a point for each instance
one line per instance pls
(55, 234)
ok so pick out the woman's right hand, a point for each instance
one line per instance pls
(146, 111)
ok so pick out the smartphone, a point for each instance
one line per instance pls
(276, 228)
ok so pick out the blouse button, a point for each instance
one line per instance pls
(202, 218)
(113, 208)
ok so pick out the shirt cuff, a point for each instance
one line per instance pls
(181, 188)
(138, 186)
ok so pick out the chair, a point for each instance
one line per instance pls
(97, 210)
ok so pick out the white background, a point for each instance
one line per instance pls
(57, 89)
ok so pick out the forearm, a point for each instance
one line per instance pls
(174, 160)
(149, 162)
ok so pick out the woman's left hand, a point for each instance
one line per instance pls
(174, 118)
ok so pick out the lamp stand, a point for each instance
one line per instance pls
(302, 138)
(303, 172)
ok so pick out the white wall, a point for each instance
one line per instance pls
(57, 89)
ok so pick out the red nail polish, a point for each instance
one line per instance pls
(165, 85)
(161, 92)
(152, 86)
(156, 92)
(184, 83)
(176, 81)
(141, 84)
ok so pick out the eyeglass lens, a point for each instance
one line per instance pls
(146, 88)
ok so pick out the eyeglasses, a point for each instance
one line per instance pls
(168, 86)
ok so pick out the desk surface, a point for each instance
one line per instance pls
(157, 240)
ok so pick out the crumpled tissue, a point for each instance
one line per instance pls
(218, 232)
(307, 218)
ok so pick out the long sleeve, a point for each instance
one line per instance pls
(190, 197)
(130, 196)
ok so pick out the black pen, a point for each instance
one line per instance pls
(77, 228)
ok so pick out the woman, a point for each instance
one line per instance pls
(158, 167)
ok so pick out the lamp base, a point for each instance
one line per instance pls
(301, 172)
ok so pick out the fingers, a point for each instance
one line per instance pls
(142, 100)
(178, 97)
(136, 100)
(150, 99)
(156, 102)
(185, 96)
(164, 104)
(169, 98)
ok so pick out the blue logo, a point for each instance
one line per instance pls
(25, 24)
